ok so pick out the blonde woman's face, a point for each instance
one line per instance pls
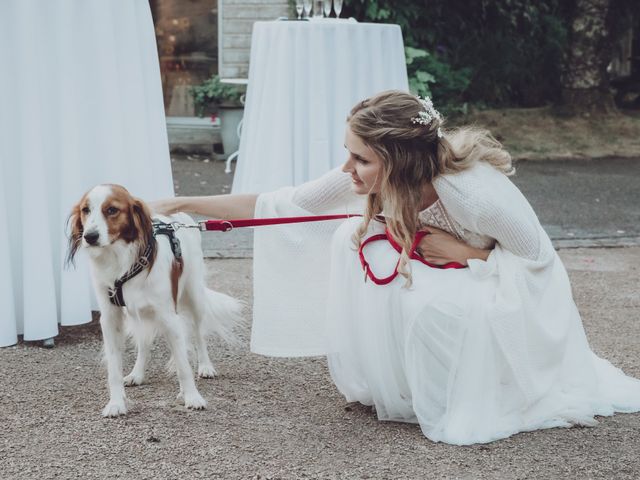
(363, 164)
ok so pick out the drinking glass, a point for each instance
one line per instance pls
(317, 8)
(299, 8)
(307, 7)
(326, 6)
(337, 7)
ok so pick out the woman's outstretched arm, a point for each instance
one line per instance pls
(215, 206)
(331, 190)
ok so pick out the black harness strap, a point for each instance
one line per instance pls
(116, 295)
(168, 229)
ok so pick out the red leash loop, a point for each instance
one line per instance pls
(413, 256)
(227, 225)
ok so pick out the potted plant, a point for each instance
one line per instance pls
(225, 101)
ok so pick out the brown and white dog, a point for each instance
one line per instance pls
(167, 296)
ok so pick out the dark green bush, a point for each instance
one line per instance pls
(495, 52)
(212, 94)
(430, 75)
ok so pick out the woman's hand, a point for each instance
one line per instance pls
(440, 247)
(215, 206)
(167, 206)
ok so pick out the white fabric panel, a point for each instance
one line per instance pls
(304, 78)
(81, 104)
(289, 311)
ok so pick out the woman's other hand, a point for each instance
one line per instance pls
(440, 247)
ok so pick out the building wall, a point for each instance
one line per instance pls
(235, 23)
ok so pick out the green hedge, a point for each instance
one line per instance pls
(499, 53)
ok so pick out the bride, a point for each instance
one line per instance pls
(445, 304)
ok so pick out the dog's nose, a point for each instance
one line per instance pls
(91, 237)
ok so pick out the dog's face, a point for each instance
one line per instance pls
(105, 215)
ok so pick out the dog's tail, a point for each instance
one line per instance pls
(224, 317)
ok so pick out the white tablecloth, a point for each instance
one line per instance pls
(80, 104)
(304, 78)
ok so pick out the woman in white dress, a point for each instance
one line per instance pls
(472, 354)
(81, 98)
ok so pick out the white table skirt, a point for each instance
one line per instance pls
(304, 78)
(81, 104)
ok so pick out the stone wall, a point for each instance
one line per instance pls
(235, 23)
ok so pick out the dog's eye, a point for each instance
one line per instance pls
(112, 211)
(86, 210)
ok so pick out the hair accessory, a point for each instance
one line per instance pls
(428, 115)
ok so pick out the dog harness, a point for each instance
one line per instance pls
(116, 296)
(168, 229)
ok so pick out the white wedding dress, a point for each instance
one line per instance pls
(82, 104)
(472, 355)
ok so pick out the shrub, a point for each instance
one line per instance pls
(498, 52)
(213, 92)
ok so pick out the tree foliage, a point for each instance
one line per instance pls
(498, 52)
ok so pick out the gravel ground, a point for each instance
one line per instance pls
(283, 418)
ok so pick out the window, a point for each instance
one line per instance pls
(187, 38)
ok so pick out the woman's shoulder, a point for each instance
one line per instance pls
(481, 182)
(479, 191)
(469, 185)
(476, 174)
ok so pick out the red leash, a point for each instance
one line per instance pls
(413, 256)
(227, 225)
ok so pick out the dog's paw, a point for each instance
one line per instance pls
(133, 380)
(195, 401)
(114, 409)
(206, 371)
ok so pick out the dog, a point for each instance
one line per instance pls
(166, 293)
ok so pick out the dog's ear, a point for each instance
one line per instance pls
(75, 236)
(141, 219)
(141, 222)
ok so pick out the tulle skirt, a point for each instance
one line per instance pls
(428, 354)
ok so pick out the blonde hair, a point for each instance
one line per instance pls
(413, 155)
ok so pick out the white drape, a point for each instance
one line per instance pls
(81, 104)
(304, 78)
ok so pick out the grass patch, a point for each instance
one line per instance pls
(540, 133)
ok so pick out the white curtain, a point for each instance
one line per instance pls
(80, 104)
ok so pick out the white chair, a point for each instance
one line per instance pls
(235, 81)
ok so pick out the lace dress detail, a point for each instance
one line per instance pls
(436, 216)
